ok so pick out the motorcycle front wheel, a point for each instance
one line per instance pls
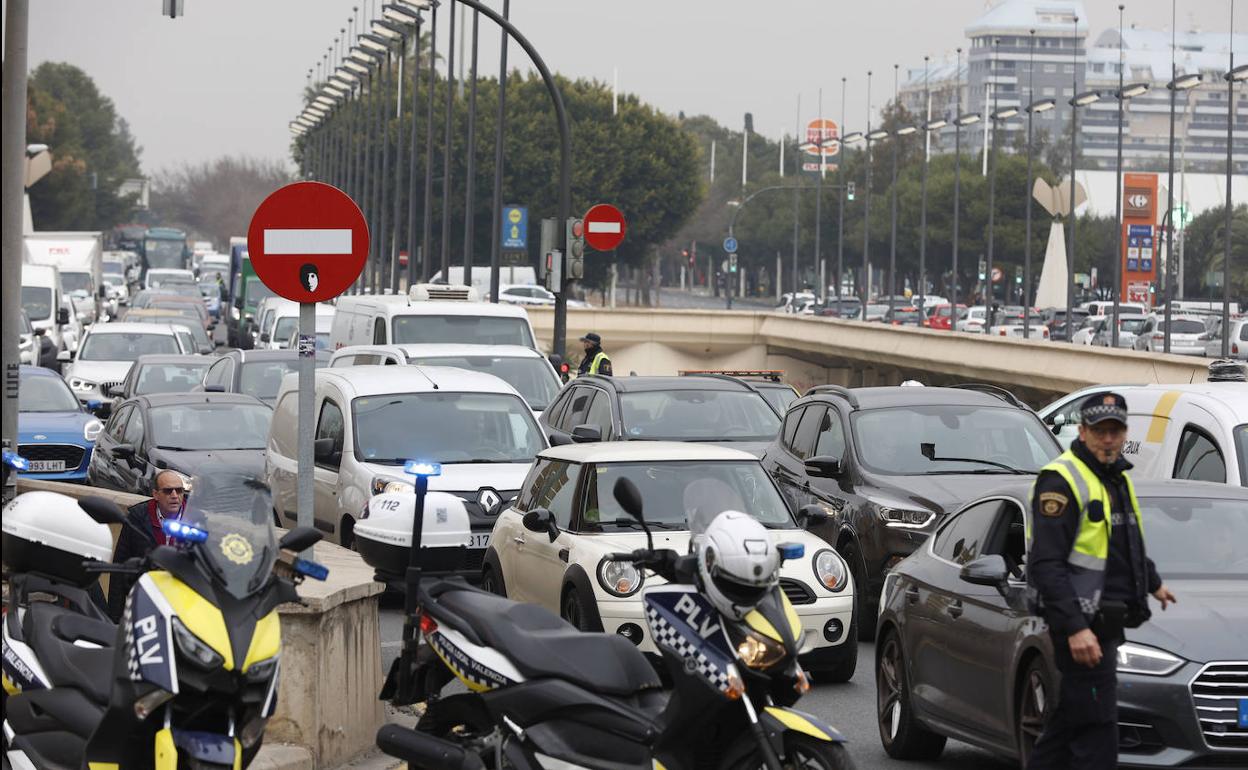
(803, 752)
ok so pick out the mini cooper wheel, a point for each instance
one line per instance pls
(900, 733)
(492, 582)
(574, 610)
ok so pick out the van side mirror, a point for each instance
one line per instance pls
(586, 434)
(265, 337)
(811, 516)
(62, 316)
(987, 570)
(823, 466)
(541, 520)
(64, 355)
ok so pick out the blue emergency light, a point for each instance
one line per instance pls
(421, 468)
(180, 530)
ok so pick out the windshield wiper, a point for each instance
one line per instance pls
(929, 451)
(1003, 471)
(177, 448)
(634, 524)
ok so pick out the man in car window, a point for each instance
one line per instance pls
(168, 501)
(1091, 578)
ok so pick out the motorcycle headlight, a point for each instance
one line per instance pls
(619, 578)
(262, 670)
(1141, 659)
(194, 648)
(901, 517)
(91, 431)
(81, 385)
(388, 485)
(830, 570)
(757, 651)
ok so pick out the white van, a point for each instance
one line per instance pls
(430, 314)
(507, 274)
(1106, 307)
(526, 370)
(1197, 431)
(370, 420)
(42, 301)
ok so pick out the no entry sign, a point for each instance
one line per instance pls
(604, 227)
(308, 241)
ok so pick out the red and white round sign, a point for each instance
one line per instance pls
(604, 227)
(308, 241)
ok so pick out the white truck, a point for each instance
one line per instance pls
(79, 258)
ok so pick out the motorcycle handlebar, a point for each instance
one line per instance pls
(128, 567)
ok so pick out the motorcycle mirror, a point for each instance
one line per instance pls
(300, 539)
(102, 510)
(629, 498)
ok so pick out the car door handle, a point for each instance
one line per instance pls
(563, 555)
(518, 540)
(912, 595)
(955, 608)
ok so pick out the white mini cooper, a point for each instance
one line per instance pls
(566, 572)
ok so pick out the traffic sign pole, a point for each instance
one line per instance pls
(304, 492)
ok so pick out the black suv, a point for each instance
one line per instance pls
(886, 464)
(712, 408)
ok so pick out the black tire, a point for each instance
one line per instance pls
(900, 733)
(842, 670)
(492, 581)
(1036, 693)
(862, 606)
(346, 533)
(805, 753)
(574, 610)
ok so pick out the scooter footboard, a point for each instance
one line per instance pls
(425, 752)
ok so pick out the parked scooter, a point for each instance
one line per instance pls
(189, 677)
(543, 693)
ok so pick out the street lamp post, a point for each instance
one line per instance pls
(996, 117)
(928, 128)
(892, 248)
(866, 208)
(840, 223)
(968, 119)
(1176, 84)
(1236, 75)
(1043, 105)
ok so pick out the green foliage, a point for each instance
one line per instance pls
(1205, 250)
(92, 151)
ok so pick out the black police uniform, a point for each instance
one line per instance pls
(590, 354)
(1082, 731)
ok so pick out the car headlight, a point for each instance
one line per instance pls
(389, 485)
(91, 431)
(1141, 659)
(619, 578)
(830, 570)
(81, 385)
(757, 651)
(902, 517)
(194, 648)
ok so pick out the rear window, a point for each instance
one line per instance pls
(462, 329)
(1183, 326)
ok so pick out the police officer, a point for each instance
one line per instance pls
(595, 360)
(1091, 578)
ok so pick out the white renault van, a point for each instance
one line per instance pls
(42, 301)
(370, 420)
(429, 314)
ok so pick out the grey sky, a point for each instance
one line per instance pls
(226, 78)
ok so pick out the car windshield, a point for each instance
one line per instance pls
(126, 346)
(204, 426)
(262, 379)
(1182, 326)
(169, 378)
(445, 428)
(45, 394)
(283, 329)
(177, 308)
(1194, 537)
(113, 267)
(179, 322)
(532, 377)
(235, 509)
(71, 282)
(943, 312)
(680, 495)
(697, 415)
(987, 439)
(463, 329)
(113, 279)
(164, 253)
(37, 302)
(1132, 325)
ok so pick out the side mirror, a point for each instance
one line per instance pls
(811, 516)
(986, 571)
(629, 498)
(218, 344)
(124, 452)
(40, 331)
(543, 521)
(1059, 421)
(62, 316)
(823, 466)
(323, 450)
(221, 389)
(103, 292)
(559, 439)
(64, 355)
(205, 350)
(116, 391)
(102, 511)
(586, 434)
(212, 326)
(300, 539)
(263, 337)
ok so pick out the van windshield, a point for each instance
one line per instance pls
(37, 302)
(462, 329)
(445, 427)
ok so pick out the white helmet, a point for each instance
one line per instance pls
(737, 563)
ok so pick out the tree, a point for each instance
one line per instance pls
(92, 151)
(1204, 252)
(216, 198)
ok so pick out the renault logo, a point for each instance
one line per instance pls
(489, 500)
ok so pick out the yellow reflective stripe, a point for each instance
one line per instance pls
(166, 752)
(103, 766)
(795, 623)
(9, 686)
(238, 755)
(200, 616)
(1161, 416)
(657, 765)
(797, 723)
(756, 621)
(266, 640)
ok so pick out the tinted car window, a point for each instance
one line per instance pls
(533, 484)
(116, 427)
(37, 302)
(685, 414)
(599, 414)
(169, 378)
(445, 427)
(134, 429)
(558, 491)
(963, 539)
(330, 426)
(831, 441)
(807, 430)
(208, 426)
(530, 376)
(1199, 458)
(262, 379)
(791, 421)
(575, 414)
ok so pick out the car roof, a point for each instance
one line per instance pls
(897, 395)
(398, 304)
(378, 380)
(121, 327)
(37, 371)
(1147, 488)
(643, 451)
(196, 397)
(438, 350)
(1226, 394)
(650, 384)
(166, 358)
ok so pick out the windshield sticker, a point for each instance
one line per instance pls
(237, 549)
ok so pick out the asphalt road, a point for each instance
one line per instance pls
(850, 707)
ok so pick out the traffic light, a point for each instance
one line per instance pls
(849, 191)
(1018, 274)
(983, 269)
(576, 249)
(732, 263)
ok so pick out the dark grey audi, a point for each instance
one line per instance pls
(959, 656)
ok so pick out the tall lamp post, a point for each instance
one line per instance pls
(968, 119)
(1042, 105)
(928, 128)
(892, 248)
(1123, 94)
(1236, 75)
(1177, 84)
(1077, 101)
(845, 139)
(996, 117)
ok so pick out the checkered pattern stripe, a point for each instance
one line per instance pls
(666, 635)
(450, 655)
(1104, 410)
(132, 649)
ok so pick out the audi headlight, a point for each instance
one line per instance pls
(1141, 659)
(619, 578)
(91, 431)
(905, 518)
(81, 385)
(194, 648)
(757, 651)
(830, 570)
(389, 485)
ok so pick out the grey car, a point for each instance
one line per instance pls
(960, 656)
(1129, 326)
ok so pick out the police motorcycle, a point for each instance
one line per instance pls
(543, 694)
(188, 679)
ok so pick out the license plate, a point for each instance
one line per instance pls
(1243, 712)
(47, 466)
(479, 540)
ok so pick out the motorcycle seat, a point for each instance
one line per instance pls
(51, 631)
(541, 644)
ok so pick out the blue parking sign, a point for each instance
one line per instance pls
(515, 226)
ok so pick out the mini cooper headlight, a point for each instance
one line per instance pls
(1141, 659)
(194, 648)
(757, 651)
(619, 578)
(830, 570)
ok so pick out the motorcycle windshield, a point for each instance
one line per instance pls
(236, 510)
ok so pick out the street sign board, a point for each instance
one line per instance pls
(604, 227)
(308, 241)
(515, 228)
(730, 244)
(818, 131)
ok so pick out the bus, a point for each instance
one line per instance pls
(164, 247)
